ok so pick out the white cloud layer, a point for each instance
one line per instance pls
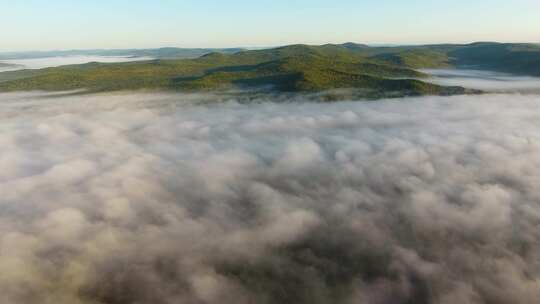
(153, 198)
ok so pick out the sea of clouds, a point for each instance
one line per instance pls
(166, 198)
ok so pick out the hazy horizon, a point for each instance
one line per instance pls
(45, 25)
(252, 47)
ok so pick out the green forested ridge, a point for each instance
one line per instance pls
(291, 68)
(517, 58)
(512, 58)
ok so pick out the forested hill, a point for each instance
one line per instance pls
(379, 71)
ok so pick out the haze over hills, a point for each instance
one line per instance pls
(376, 71)
(165, 52)
(6, 65)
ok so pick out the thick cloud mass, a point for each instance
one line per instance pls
(118, 199)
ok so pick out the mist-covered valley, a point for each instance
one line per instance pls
(488, 81)
(202, 198)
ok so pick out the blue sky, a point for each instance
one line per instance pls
(68, 24)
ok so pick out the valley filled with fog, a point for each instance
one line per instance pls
(199, 198)
(488, 81)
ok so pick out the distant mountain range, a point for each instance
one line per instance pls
(374, 72)
(7, 65)
(163, 53)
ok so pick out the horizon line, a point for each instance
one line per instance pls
(257, 47)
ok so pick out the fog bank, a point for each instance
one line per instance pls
(484, 80)
(155, 198)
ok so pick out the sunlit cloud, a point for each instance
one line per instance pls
(165, 198)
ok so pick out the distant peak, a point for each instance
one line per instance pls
(480, 43)
(353, 45)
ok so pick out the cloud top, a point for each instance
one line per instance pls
(156, 198)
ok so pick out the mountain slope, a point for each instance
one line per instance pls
(523, 58)
(294, 68)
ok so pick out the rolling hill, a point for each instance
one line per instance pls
(377, 71)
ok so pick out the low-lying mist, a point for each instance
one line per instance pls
(485, 80)
(160, 198)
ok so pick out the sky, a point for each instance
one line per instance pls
(84, 24)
